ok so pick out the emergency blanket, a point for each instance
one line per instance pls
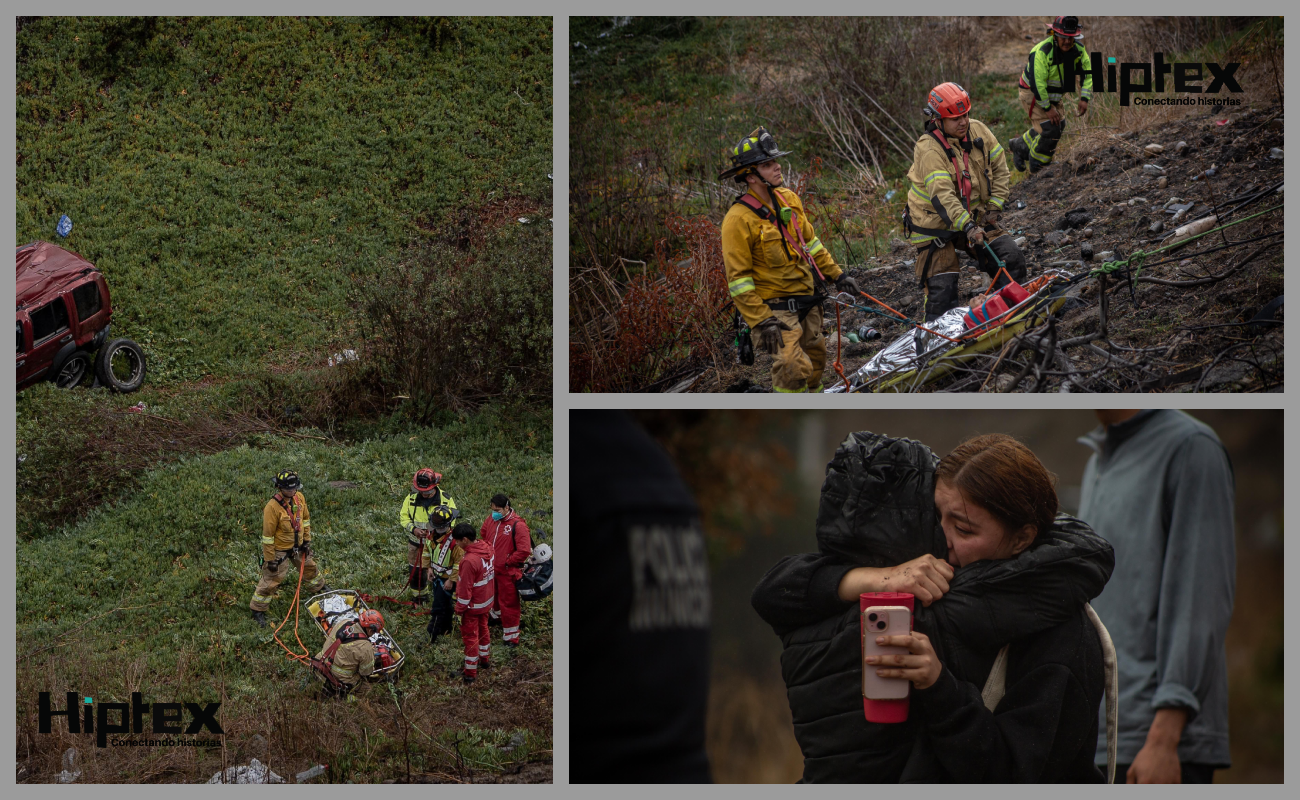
(911, 350)
(336, 604)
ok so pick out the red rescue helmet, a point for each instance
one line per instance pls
(371, 620)
(425, 480)
(1068, 27)
(948, 100)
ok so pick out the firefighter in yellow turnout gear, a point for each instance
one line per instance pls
(417, 518)
(348, 655)
(777, 267)
(286, 538)
(958, 186)
(1042, 88)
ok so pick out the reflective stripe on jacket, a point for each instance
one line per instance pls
(444, 556)
(1044, 72)
(278, 526)
(760, 266)
(511, 543)
(932, 196)
(415, 511)
(355, 657)
(474, 590)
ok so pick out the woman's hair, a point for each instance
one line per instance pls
(1005, 478)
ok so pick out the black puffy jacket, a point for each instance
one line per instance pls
(877, 509)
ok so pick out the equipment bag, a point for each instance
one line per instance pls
(538, 577)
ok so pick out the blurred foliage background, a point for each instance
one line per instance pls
(757, 476)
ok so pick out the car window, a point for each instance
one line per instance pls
(87, 299)
(20, 336)
(49, 319)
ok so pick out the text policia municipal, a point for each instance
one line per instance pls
(166, 717)
(1153, 78)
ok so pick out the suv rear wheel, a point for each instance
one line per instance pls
(73, 371)
(120, 365)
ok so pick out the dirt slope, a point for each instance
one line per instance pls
(1175, 337)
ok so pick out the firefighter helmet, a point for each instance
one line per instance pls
(371, 620)
(948, 100)
(1068, 27)
(288, 480)
(425, 480)
(440, 518)
(751, 151)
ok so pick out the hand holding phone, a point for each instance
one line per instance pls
(886, 621)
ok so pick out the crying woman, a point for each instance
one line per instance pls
(1007, 662)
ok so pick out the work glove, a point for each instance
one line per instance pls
(975, 235)
(769, 334)
(991, 217)
(846, 284)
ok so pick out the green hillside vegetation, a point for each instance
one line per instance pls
(153, 591)
(229, 174)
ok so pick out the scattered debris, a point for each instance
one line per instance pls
(1154, 169)
(1180, 148)
(339, 358)
(70, 772)
(1154, 148)
(1163, 182)
(308, 774)
(253, 772)
(64, 227)
(1275, 154)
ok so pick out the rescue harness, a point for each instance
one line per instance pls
(351, 632)
(799, 304)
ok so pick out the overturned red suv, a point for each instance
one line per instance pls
(63, 320)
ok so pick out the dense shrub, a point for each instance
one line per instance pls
(448, 327)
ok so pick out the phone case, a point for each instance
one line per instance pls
(897, 621)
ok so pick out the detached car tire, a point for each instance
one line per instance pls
(120, 365)
(73, 371)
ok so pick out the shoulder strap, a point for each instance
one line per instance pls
(996, 685)
(754, 204)
(1110, 659)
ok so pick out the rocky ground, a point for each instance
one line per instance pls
(1114, 194)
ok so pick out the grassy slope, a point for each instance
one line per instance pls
(226, 174)
(181, 553)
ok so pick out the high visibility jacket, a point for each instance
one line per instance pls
(1044, 74)
(284, 528)
(415, 511)
(760, 265)
(511, 543)
(443, 556)
(933, 199)
(474, 589)
(355, 657)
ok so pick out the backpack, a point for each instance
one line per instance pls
(538, 577)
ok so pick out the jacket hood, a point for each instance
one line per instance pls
(994, 602)
(478, 547)
(877, 502)
(877, 510)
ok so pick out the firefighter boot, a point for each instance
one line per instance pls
(260, 618)
(941, 295)
(1019, 153)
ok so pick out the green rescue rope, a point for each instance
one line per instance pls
(1139, 257)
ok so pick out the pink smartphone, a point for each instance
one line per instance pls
(883, 621)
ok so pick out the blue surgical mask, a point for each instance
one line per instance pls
(497, 515)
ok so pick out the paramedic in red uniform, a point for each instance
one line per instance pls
(508, 536)
(473, 600)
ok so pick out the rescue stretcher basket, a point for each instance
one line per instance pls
(326, 609)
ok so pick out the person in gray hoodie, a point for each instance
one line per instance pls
(1159, 488)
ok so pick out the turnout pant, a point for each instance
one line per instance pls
(799, 365)
(474, 633)
(441, 614)
(1043, 135)
(934, 260)
(271, 578)
(505, 606)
